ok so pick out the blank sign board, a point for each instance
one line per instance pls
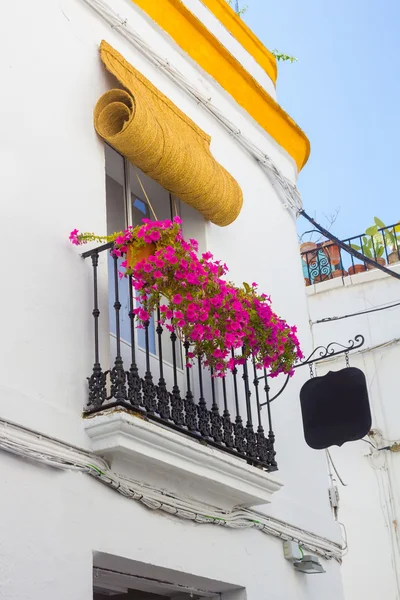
(335, 408)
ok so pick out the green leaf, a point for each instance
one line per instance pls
(389, 238)
(355, 247)
(380, 251)
(246, 287)
(283, 57)
(372, 230)
(379, 223)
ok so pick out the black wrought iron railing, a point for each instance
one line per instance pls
(326, 260)
(145, 371)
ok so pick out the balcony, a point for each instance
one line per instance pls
(325, 260)
(159, 419)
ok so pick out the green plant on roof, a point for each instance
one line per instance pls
(375, 240)
(280, 56)
(284, 57)
(238, 10)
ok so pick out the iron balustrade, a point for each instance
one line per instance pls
(327, 260)
(215, 411)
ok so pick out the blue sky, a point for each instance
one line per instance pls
(344, 91)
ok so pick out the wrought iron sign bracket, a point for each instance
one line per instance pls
(320, 354)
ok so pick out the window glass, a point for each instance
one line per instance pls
(115, 192)
(130, 206)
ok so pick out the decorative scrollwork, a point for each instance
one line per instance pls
(149, 394)
(320, 267)
(322, 352)
(271, 452)
(263, 450)
(97, 387)
(190, 412)
(118, 380)
(240, 436)
(134, 386)
(216, 424)
(163, 397)
(251, 446)
(177, 406)
(204, 418)
(227, 427)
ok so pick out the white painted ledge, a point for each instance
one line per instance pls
(157, 456)
(358, 279)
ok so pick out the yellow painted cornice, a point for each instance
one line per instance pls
(243, 34)
(207, 51)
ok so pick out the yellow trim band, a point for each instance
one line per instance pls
(243, 34)
(204, 48)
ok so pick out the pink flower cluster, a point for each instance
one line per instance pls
(224, 324)
(213, 314)
(74, 237)
(149, 233)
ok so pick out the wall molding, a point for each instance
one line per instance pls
(163, 457)
(34, 446)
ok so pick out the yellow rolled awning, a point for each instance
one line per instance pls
(158, 138)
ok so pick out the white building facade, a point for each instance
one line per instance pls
(112, 503)
(366, 304)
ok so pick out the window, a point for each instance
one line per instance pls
(127, 205)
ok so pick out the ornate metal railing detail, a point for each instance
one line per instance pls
(327, 260)
(319, 267)
(216, 412)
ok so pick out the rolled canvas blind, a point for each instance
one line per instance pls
(157, 137)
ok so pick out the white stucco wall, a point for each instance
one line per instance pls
(369, 504)
(52, 177)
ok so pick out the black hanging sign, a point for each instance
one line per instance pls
(335, 408)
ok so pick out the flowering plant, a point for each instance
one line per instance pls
(225, 324)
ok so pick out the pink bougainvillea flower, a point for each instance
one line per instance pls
(155, 235)
(213, 314)
(73, 236)
(195, 244)
(148, 267)
(142, 314)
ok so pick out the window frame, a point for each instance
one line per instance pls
(128, 205)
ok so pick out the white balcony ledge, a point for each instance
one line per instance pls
(157, 456)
